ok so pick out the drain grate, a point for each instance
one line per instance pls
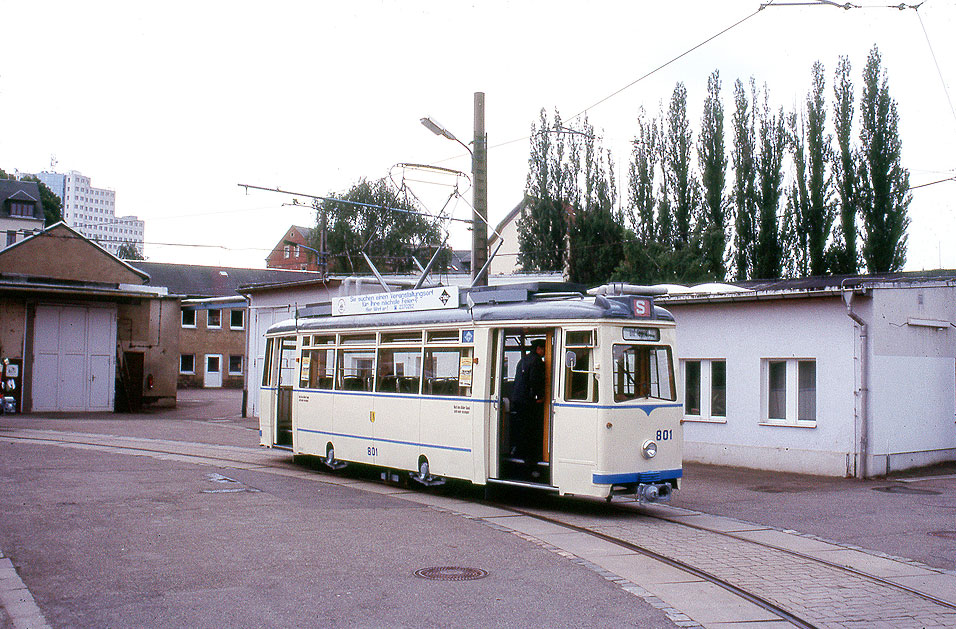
(451, 573)
(904, 489)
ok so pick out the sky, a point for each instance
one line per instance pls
(175, 104)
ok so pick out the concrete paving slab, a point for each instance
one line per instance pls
(478, 510)
(939, 585)
(708, 603)
(871, 564)
(529, 526)
(580, 544)
(787, 541)
(716, 523)
(641, 569)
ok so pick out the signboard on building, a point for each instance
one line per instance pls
(438, 298)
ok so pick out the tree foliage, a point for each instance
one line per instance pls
(713, 171)
(883, 182)
(129, 251)
(387, 226)
(791, 206)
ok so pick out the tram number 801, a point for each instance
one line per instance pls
(665, 435)
(372, 451)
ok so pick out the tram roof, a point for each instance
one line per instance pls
(533, 308)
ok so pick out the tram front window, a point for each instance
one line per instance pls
(643, 371)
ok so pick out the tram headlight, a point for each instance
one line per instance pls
(649, 449)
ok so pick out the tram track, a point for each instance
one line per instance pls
(625, 532)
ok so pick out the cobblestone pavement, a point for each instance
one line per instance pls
(824, 595)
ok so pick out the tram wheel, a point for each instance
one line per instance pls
(330, 461)
(424, 476)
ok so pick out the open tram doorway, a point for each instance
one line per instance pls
(524, 425)
(286, 374)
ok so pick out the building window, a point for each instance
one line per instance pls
(213, 318)
(790, 391)
(236, 319)
(187, 364)
(286, 251)
(235, 365)
(11, 237)
(19, 208)
(705, 390)
(189, 318)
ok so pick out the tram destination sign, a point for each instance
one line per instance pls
(438, 298)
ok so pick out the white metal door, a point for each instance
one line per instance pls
(213, 371)
(74, 358)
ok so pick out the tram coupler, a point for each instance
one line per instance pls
(644, 492)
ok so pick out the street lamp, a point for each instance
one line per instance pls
(479, 169)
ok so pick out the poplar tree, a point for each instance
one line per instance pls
(884, 183)
(810, 197)
(542, 226)
(745, 177)
(713, 168)
(642, 198)
(683, 185)
(772, 139)
(844, 254)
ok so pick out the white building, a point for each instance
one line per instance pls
(92, 211)
(829, 376)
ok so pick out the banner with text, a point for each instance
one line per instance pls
(399, 301)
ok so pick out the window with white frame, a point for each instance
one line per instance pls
(187, 363)
(705, 389)
(789, 391)
(235, 364)
(189, 318)
(213, 318)
(236, 319)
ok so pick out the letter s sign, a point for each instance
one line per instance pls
(642, 307)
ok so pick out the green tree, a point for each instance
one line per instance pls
(884, 183)
(771, 139)
(745, 181)
(678, 167)
(713, 169)
(542, 226)
(377, 219)
(52, 204)
(844, 255)
(129, 251)
(810, 196)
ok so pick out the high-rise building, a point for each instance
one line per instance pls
(92, 211)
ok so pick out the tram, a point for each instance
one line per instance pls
(420, 382)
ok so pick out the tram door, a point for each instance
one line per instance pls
(286, 357)
(524, 430)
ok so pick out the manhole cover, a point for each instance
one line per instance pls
(904, 489)
(778, 490)
(946, 534)
(451, 573)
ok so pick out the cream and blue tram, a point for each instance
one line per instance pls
(419, 382)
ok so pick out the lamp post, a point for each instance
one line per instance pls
(479, 170)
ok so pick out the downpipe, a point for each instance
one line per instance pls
(864, 384)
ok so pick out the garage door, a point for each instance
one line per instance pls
(74, 350)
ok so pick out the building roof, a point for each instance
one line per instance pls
(22, 191)
(820, 286)
(189, 280)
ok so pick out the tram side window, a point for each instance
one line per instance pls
(317, 368)
(355, 371)
(580, 381)
(399, 370)
(643, 371)
(448, 371)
